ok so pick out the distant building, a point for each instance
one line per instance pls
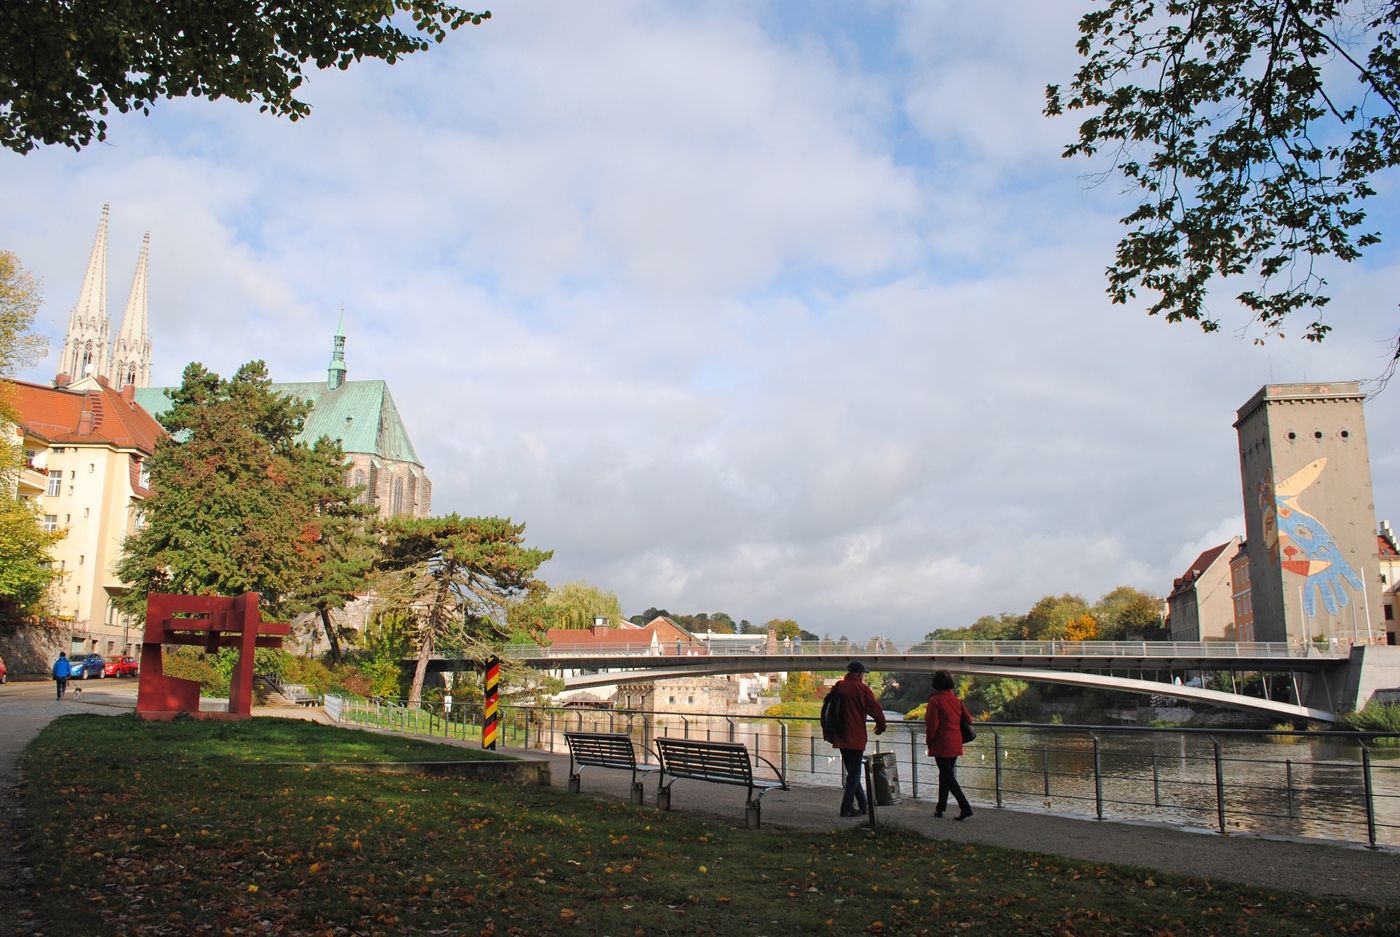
(1388, 558)
(1239, 595)
(85, 450)
(1310, 520)
(1200, 605)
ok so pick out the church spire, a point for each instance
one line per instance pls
(85, 345)
(131, 355)
(335, 374)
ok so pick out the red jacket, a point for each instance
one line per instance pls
(857, 703)
(943, 724)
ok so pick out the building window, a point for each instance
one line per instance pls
(398, 497)
(1390, 613)
(50, 522)
(87, 512)
(92, 467)
(145, 475)
(81, 557)
(55, 485)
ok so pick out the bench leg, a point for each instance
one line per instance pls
(573, 784)
(751, 815)
(637, 796)
(663, 798)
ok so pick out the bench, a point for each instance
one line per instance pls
(604, 750)
(720, 762)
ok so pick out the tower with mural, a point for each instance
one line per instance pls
(1310, 518)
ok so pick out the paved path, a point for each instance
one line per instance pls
(1370, 876)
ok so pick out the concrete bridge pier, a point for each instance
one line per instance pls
(1371, 669)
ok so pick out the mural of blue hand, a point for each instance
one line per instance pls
(1309, 549)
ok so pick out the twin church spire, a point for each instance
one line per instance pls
(87, 348)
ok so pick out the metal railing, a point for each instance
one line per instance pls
(1163, 650)
(1226, 781)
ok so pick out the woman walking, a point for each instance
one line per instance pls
(943, 722)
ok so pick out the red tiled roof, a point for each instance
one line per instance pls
(583, 637)
(1197, 567)
(1386, 551)
(94, 417)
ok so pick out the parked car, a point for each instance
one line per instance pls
(4, 674)
(124, 666)
(86, 666)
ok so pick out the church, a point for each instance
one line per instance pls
(360, 415)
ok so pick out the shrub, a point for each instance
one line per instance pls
(1375, 717)
(189, 664)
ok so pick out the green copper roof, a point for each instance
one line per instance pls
(359, 414)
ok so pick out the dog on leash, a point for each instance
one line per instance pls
(77, 692)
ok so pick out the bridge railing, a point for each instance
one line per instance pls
(1342, 786)
(1137, 649)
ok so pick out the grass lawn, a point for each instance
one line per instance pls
(175, 828)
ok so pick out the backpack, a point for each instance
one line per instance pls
(833, 714)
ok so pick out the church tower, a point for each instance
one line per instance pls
(131, 355)
(85, 347)
(335, 374)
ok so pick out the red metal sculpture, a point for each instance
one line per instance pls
(210, 621)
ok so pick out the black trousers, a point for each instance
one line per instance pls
(948, 781)
(852, 760)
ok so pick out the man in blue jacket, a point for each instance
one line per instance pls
(62, 670)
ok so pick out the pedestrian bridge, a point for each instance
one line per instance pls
(1148, 667)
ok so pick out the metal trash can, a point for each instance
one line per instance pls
(885, 771)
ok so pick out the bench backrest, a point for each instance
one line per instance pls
(705, 761)
(601, 748)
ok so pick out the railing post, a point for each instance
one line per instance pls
(812, 750)
(1045, 767)
(1156, 782)
(1098, 778)
(996, 763)
(913, 765)
(783, 739)
(1370, 795)
(1288, 784)
(1219, 786)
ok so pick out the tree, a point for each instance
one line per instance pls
(987, 628)
(576, 604)
(460, 572)
(340, 553)
(237, 504)
(25, 563)
(1082, 628)
(783, 628)
(1253, 128)
(1051, 616)
(65, 65)
(1126, 612)
(20, 296)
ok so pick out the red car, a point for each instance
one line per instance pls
(4, 674)
(124, 666)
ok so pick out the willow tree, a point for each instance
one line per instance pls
(460, 574)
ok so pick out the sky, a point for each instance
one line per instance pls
(785, 310)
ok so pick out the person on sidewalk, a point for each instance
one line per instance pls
(857, 702)
(62, 670)
(943, 722)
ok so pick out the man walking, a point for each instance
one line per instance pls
(62, 670)
(857, 702)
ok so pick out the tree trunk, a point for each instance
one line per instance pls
(425, 647)
(330, 634)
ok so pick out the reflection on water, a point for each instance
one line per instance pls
(1306, 785)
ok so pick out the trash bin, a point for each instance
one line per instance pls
(885, 774)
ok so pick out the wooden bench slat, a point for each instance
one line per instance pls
(718, 762)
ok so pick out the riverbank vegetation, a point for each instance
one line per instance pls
(196, 833)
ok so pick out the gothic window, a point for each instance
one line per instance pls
(131, 376)
(398, 497)
(357, 478)
(87, 360)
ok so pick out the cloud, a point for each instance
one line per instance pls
(739, 308)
